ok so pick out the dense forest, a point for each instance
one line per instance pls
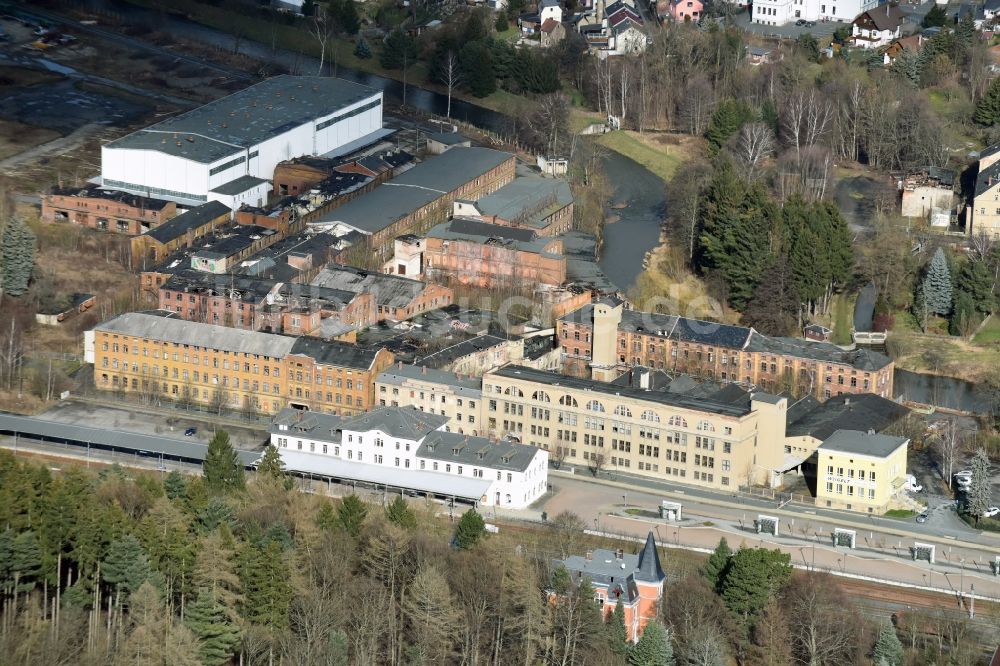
(121, 567)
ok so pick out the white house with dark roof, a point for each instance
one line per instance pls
(404, 449)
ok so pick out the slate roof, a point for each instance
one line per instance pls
(988, 178)
(421, 185)
(475, 231)
(158, 327)
(403, 422)
(477, 451)
(862, 443)
(883, 17)
(334, 353)
(527, 200)
(649, 569)
(861, 412)
(823, 352)
(388, 290)
(680, 400)
(399, 373)
(450, 354)
(232, 124)
(192, 219)
(672, 327)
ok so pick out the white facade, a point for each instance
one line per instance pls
(369, 448)
(781, 12)
(184, 158)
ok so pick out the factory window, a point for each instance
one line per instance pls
(226, 165)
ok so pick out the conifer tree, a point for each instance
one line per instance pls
(398, 51)
(17, 257)
(362, 50)
(267, 591)
(351, 514)
(127, 566)
(175, 485)
(753, 577)
(471, 529)
(715, 568)
(888, 649)
(271, 467)
(222, 467)
(653, 648)
(979, 495)
(617, 632)
(988, 108)
(936, 287)
(217, 637)
(477, 69)
(398, 512)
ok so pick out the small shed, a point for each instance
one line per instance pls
(817, 333)
(440, 142)
(552, 166)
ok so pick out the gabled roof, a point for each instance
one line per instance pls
(884, 17)
(987, 179)
(548, 25)
(862, 412)
(862, 443)
(191, 219)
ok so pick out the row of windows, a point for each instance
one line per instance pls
(862, 475)
(349, 114)
(850, 490)
(227, 165)
(153, 191)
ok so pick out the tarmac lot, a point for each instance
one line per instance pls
(152, 423)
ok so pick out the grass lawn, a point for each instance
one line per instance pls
(990, 332)
(901, 514)
(660, 158)
(843, 319)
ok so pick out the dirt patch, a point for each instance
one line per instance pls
(17, 137)
(12, 77)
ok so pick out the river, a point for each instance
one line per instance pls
(625, 242)
(947, 392)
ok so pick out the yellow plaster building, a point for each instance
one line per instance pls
(860, 471)
(160, 356)
(724, 441)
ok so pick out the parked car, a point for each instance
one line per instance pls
(922, 518)
(965, 473)
(190, 432)
(800, 22)
(991, 512)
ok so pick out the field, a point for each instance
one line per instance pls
(15, 137)
(989, 333)
(944, 355)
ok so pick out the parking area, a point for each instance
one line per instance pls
(141, 422)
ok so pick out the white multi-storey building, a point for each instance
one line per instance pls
(406, 449)
(780, 12)
(226, 150)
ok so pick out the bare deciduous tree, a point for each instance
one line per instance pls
(948, 447)
(452, 76)
(756, 142)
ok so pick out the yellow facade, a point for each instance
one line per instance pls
(259, 372)
(857, 481)
(650, 433)
(458, 397)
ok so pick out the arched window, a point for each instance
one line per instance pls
(514, 391)
(568, 401)
(595, 406)
(650, 415)
(541, 396)
(622, 410)
(678, 421)
(706, 426)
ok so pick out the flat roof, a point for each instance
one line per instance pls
(246, 118)
(527, 200)
(425, 481)
(117, 439)
(464, 348)
(239, 185)
(861, 412)
(862, 443)
(392, 290)
(399, 373)
(191, 219)
(421, 185)
(680, 400)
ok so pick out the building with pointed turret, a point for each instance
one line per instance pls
(637, 581)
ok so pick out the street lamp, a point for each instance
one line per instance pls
(625, 499)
